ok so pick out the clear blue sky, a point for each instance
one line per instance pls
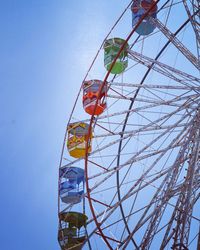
(44, 55)
(46, 48)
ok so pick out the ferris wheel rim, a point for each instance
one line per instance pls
(85, 77)
(91, 121)
(92, 118)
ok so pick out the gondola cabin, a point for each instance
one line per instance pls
(72, 234)
(72, 184)
(78, 133)
(92, 94)
(139, 7)
(111, 50)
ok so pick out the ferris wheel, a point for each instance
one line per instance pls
(129, 174)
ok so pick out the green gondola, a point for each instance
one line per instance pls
(111, 50)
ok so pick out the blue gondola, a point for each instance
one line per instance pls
(72, 184)
(139, 7)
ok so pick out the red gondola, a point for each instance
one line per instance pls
(91, 91)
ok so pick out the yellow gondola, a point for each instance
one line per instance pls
(78, 133)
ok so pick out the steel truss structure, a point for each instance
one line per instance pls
(143, 173)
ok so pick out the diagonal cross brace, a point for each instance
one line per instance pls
(188, 54)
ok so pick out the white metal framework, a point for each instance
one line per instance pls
(143, 174)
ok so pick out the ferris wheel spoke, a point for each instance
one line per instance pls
(120, 220)
(150, 182)
(150, 100)
(159, 189)
(128, 195)
(172, 102)
(136, 160)
(164, 69)
(141, 129)
(184, 218)
(169, 234)
(161, 205)
(141, 150)
(152, 142)
(138, 131)
(104, 147)
(135, 212)
(98, 215)
(155, 140)
(155, 90)
(155, 219)
(195, 21)
(176, 42)
(159, 157)
(156, 86)
(144, 156)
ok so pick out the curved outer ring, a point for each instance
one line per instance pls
(100, 92)
(65, 136)
(98, 225)
(70, 117)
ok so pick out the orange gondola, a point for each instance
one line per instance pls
(91, 93)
